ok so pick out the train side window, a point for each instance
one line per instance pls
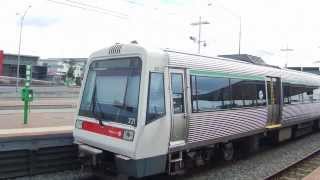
(247, 93)
(261, 93)
(286, 94)
(210, 93)
(296, 94)
(177, 92)
(308, 94)
(237, 93)
(156, 103)
(316, 94)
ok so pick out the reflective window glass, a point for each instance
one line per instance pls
(156, 102)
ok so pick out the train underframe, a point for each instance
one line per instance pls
(178, 162)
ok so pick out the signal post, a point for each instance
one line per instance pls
(27, 94)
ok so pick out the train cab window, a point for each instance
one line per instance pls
(156, 103)
(177, 92)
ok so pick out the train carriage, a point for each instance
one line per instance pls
(148, 111)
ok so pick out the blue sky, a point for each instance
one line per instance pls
(55, 30)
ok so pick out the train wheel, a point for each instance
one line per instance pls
(228, 151)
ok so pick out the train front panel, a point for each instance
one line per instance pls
(122, 114)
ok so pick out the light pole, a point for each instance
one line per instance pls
(20, 38)
(286, 50)
(199, 41)
(240, 24)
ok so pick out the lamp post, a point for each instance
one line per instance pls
(20, 38)
(240, 24)
(199, 41)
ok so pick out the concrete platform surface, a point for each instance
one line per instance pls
(315, 175)
(43, 101)
(38, 119)
(35, 131)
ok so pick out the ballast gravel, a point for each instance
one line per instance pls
(262, 164)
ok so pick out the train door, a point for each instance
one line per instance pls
(274, 102)
(178, 105)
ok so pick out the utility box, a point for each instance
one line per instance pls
(27, 94)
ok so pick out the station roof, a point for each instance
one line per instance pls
(248, 58)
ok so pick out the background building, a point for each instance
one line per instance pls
(9, 65)
(248, 58)
(57, 68)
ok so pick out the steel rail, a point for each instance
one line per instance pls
(282, 171)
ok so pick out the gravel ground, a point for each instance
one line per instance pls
(261, 164)
(66, 175)
(254, 167)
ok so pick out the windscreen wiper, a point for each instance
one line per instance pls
(94, 104)
(127, 108)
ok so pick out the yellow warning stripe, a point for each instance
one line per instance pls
(273, 126)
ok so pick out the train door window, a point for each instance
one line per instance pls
(156, 103)
(177, 92)
(194, 97)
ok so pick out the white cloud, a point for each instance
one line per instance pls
(53, 30)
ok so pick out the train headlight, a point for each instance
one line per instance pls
(128, 135)
(78, 124)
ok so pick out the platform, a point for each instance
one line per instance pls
(13, 119)
(43, 103)
(42, 121)
(315, 175)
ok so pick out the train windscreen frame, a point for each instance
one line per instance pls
(111, 92)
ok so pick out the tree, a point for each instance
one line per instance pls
(70, 73)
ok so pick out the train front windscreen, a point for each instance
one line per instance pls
(111, 91)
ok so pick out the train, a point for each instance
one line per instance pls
(145, 111)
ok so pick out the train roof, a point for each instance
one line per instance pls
(222, 66)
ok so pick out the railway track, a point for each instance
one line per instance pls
(298, 169)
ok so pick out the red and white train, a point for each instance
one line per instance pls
(145, 112)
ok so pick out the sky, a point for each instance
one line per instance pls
(53, 29)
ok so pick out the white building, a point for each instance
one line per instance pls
(58, 67)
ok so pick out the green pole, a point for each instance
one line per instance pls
(26, 112)
(27, 94)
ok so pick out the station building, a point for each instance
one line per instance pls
(42, 69)
(9, 65)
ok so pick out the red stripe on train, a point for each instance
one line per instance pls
(104, 130)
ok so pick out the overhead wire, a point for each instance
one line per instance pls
(91, 8)
(97, 7)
